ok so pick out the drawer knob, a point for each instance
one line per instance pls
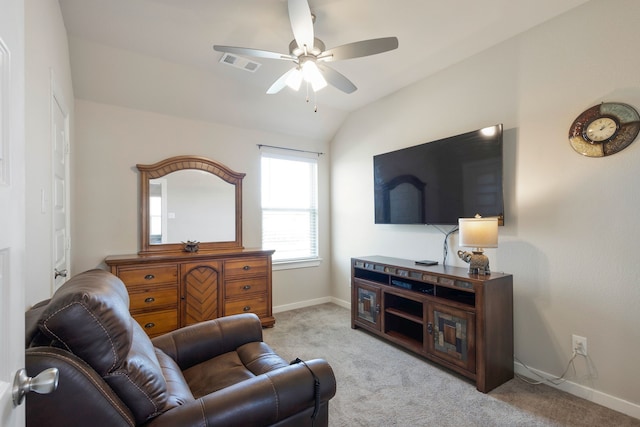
(246, 267)
(246, 287)
(149, 277)
(246, 308)
(149, 325)
(149, 300)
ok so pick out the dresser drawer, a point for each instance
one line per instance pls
(236, 288)
(144, 298)
(245, 267)
(158, 322)
(257, 305)
(150, 275)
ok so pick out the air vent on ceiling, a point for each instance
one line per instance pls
(239, 62)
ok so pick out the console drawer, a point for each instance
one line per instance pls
(245, 267)
(237, 288)
(146, 298)
(158, 322)
(257, 305)
(149, 275)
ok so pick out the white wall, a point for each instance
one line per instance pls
(570, 238)
(111, 140)
(46, 63)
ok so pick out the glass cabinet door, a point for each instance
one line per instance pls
(368, 304)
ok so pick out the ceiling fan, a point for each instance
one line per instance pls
(309, 55)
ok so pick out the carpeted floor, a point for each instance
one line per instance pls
(379, 384)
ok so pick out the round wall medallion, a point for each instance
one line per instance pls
(604, 129)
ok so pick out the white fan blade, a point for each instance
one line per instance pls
(360, 49)
(280, 84)
(301, 23)
(336, 79)
(245, 51)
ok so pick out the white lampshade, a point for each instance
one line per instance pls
(478, 232)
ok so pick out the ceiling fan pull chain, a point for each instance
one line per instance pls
(315, 97)
(315, 101)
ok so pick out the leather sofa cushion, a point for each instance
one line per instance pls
(139, 380)
(248, 361)
(178, 392)
(196, 343)
(89, 316)
(32, 334)
(216, 374)
(259, 358)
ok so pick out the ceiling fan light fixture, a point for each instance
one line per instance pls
(295, 79)
(311, 74)
(305, 50)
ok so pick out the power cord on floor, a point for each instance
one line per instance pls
(553, 380)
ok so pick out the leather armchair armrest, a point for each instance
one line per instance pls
(202, 341)
(82, 396)
(263, 400)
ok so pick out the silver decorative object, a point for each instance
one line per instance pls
(478, 261)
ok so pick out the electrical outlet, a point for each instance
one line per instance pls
(579, 344)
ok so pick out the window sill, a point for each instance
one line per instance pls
(297, 263)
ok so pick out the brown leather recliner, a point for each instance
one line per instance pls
(215, 373)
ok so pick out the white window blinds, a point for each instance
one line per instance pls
(290, 206)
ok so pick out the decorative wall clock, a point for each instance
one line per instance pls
(604, 129)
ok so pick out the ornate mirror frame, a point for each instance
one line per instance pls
(173, 164)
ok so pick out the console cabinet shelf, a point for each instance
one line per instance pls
(461, 321)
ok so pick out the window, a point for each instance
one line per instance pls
(289, 206)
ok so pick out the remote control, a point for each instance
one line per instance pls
(427, 262)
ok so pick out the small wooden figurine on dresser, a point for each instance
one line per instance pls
(174, 281)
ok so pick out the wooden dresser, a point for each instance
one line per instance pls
(171, 290)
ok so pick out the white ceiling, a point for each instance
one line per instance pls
(157, 54)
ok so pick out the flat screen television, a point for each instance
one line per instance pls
(441, 181)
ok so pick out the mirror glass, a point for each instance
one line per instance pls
(184, 204)
(188, 198)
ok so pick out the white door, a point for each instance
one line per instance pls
(60, 191)
(12, 205)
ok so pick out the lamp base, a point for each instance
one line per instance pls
(478, 261)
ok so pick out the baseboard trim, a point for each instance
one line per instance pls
(342, 303)
(311, 302)
(587, 393)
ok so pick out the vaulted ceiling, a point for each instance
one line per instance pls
(157, 55)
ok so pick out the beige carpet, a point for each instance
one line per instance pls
(380, 384)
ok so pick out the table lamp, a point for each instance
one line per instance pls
(477, 233)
